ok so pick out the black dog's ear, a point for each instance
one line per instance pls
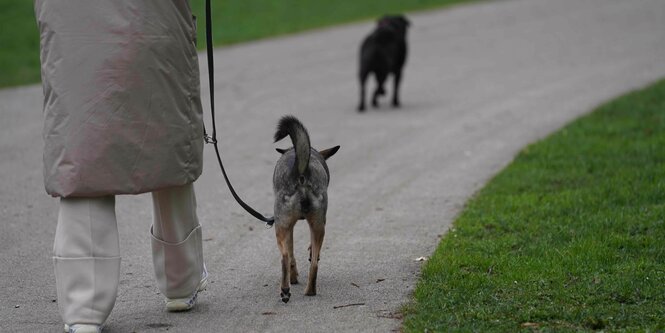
(405, 20)
(385, 19)
(281, 151)
(327, 153)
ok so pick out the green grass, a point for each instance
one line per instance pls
(234, 21)
(19, 43)
(569, 237)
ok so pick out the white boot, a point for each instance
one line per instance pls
(87, 289)
(186, 303)
(83, 328)
(180, 270)
(86, 258)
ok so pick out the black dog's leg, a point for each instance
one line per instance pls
(363, 79)
(380, 91)
(398, 78)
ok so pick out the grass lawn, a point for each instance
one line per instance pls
(19, 43)
(234, 21)
(569, 237)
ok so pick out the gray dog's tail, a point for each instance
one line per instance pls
(292, 127)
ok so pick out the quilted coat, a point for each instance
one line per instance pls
(122, 108)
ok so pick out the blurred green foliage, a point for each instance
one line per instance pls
(234, 21)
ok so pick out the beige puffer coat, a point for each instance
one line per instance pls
(122, 108)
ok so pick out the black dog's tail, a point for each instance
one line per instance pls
(291, 126)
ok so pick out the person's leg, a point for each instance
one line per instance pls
(86, 257)
(177, 248)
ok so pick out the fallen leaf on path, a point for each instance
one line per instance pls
(421, 259)
(355, 285)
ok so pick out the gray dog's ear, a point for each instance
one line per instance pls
(281, 151)
(327, 153)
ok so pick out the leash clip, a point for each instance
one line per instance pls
(269, 222)
(209, 139)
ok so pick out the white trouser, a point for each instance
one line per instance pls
(87, 253)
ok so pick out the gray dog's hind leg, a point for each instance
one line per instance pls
(317, 231)
(282, 233)
(293, 269)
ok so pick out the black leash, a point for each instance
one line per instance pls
(213, 139)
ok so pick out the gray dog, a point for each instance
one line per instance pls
(300, 183)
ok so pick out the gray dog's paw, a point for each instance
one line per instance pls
(285, 294)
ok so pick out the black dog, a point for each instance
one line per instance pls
(383, 52)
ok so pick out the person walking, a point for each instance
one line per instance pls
(122, 115)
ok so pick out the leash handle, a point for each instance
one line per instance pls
(213, 138)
